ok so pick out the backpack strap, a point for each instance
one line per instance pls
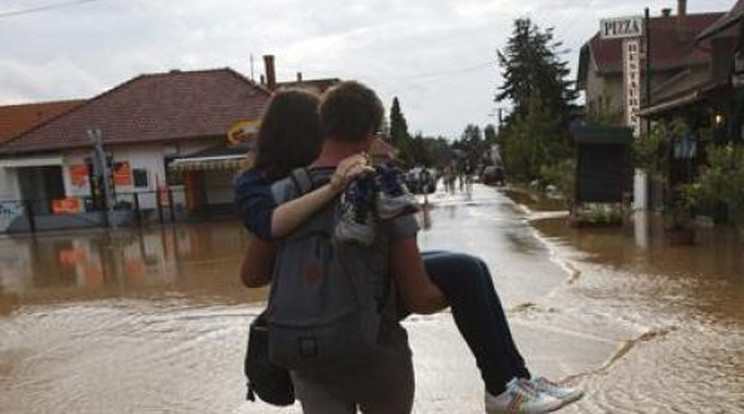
(302, 180)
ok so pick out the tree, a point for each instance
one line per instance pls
(490, 135)
(399, 136)
(535, 134)
(531, 63)
(473, 144)
(529, 147)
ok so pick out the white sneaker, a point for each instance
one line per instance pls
(520, 398)
(565, 394)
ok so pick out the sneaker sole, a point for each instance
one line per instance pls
(571, 398)
(549, 409)
(387, 212)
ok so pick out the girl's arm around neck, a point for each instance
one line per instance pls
(288, 216)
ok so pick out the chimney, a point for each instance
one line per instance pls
(299, 76)
(666, 12)
(270, 73)
(682, 18)
(682, 8)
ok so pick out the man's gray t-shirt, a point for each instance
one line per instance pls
(393, 339)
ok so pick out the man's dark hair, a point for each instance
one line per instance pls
(350, 111)
(290, 134)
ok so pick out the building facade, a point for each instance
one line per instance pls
(676, 62)
(145, 124)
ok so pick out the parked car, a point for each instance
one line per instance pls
(492, 175)
(421, 180)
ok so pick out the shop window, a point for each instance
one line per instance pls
(140, 178)
(172, 177)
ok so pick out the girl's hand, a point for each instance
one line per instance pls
(348, 169)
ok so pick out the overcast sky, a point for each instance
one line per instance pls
(437, 56)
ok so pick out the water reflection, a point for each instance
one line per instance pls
(186, 258)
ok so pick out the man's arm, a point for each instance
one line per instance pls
(258, 262)
(419, 293)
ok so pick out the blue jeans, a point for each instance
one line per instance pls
(466, 283)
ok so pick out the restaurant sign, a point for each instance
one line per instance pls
(621, 27)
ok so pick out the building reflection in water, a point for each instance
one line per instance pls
(641, 229)
(187, 256)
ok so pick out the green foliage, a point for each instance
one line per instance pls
(428, 151)
(722, 181)
(562, 175)
(536, 82)
(601, 214)
(651, 153)
(531, 63)
(532, 141)
(605, 117)
(490, 135)
(399, 135)
(472, 143)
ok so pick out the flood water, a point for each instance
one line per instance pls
(155, 321)
(687, 301)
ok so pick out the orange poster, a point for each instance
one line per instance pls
(70, 257)
(66, 206)
(79, 175)
(122, 174)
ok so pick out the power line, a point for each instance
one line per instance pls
(452, 71)
(44, 8)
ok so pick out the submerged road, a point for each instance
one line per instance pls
(155, 321)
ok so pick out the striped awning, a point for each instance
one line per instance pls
(224, 162)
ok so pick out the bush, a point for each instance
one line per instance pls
(722, 181)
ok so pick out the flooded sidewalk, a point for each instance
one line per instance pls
(156, 321)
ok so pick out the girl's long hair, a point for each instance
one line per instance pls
(290, 135)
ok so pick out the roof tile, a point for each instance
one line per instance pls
(15, 119)
(150, 108)
(668, 49)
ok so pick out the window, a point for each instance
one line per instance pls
(140, 178)
(172, 177)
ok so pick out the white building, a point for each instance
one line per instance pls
(146, 123)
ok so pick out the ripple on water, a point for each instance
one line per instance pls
(126, 356)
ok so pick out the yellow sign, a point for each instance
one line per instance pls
(243, 131)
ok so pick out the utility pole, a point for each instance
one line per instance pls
(252, 78)
(649, 67)
(101, 169)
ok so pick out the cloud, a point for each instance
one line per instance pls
(433, 55)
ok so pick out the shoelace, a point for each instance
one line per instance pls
(358, 201)
(389, 179)
(528, 388)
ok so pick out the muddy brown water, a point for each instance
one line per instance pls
(155, 321)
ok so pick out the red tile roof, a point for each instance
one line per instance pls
(725, 22)
(15, 119)
(151, 108)
(669, 50)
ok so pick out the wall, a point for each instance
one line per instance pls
(220, 187)
(9, 189)
(148, 157)
(604, 91)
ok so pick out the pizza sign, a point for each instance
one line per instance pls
(621, 27)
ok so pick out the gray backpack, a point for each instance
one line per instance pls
(325, 303)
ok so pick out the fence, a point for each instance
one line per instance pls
(129, 209)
